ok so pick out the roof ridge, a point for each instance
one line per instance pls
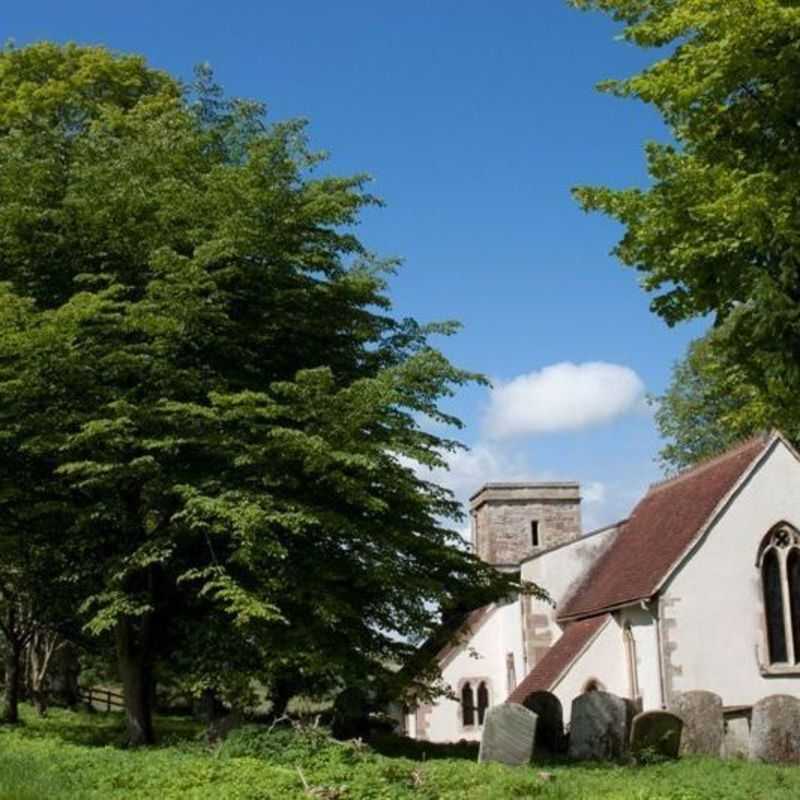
(711, 461)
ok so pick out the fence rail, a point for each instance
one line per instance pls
(102, 697)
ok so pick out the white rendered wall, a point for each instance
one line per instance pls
(481, 657)
(560, 572)
(603, 661)
(645, 635)
(712, 609)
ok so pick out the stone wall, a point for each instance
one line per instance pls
(502, 514)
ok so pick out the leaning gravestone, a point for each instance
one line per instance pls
(703, 724)
(549, 721)
(509, 731)
(599, 727)
(656, 732)
(775, 729)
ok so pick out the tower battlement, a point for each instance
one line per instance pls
(511, 521)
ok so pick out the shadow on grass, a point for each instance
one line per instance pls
(97, 729)
(394, 746)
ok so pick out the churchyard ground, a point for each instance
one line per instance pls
(72, 756)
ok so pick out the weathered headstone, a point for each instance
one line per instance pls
(656, 732)
(703, 725)
(775, 729)
(549, 721)
(509, 731)
(599, 727)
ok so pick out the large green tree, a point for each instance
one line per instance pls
(709, 405)
(718, 230)
(202, 357)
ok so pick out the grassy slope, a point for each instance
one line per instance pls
(76, 756)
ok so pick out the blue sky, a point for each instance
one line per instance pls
(474, 119)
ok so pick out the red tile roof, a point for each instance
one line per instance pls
(559, 657)
(659, 530)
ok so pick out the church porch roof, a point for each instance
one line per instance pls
(560, 657)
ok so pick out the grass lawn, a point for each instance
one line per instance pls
(77, 756)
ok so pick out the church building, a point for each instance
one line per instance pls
(699, 588)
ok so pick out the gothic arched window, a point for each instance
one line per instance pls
(779, 561)
(483, 701)
(467, 705)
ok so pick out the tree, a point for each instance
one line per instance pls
(202, 355)
(718, 231)
(709, 406)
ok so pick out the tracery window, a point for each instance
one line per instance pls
(779, 562)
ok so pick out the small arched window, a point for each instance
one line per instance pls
(467, 705)
(593, 685)
(483, 701)
(779, 562)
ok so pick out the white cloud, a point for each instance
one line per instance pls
(562, 397)
(468, 470)
(594, 493)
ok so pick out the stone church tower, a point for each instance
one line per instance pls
(511, 521)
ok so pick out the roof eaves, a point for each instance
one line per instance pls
(588, 613)
(586, 645)
(467, 629)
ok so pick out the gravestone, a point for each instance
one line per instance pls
(509, 731)
(656, 732)
(775, 730)
(703, 724)
(350, 714)
(549, 721)
(599, 727)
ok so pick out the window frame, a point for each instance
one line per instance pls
(474, 684)
(782, 539)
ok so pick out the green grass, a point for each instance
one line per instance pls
(78, 757)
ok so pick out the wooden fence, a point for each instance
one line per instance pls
(102, 698)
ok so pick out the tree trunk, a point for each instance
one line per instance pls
(65, 673)
(13, 676)
(206, 707)
(43, 645)
(133, 659)
(283, 690)
(39, 697)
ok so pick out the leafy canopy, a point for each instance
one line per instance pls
(199, 353)
(718, 230)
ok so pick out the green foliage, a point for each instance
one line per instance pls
(285, 745)
(199, 361)
(718, 231)
(68, 756)
(709, 405)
